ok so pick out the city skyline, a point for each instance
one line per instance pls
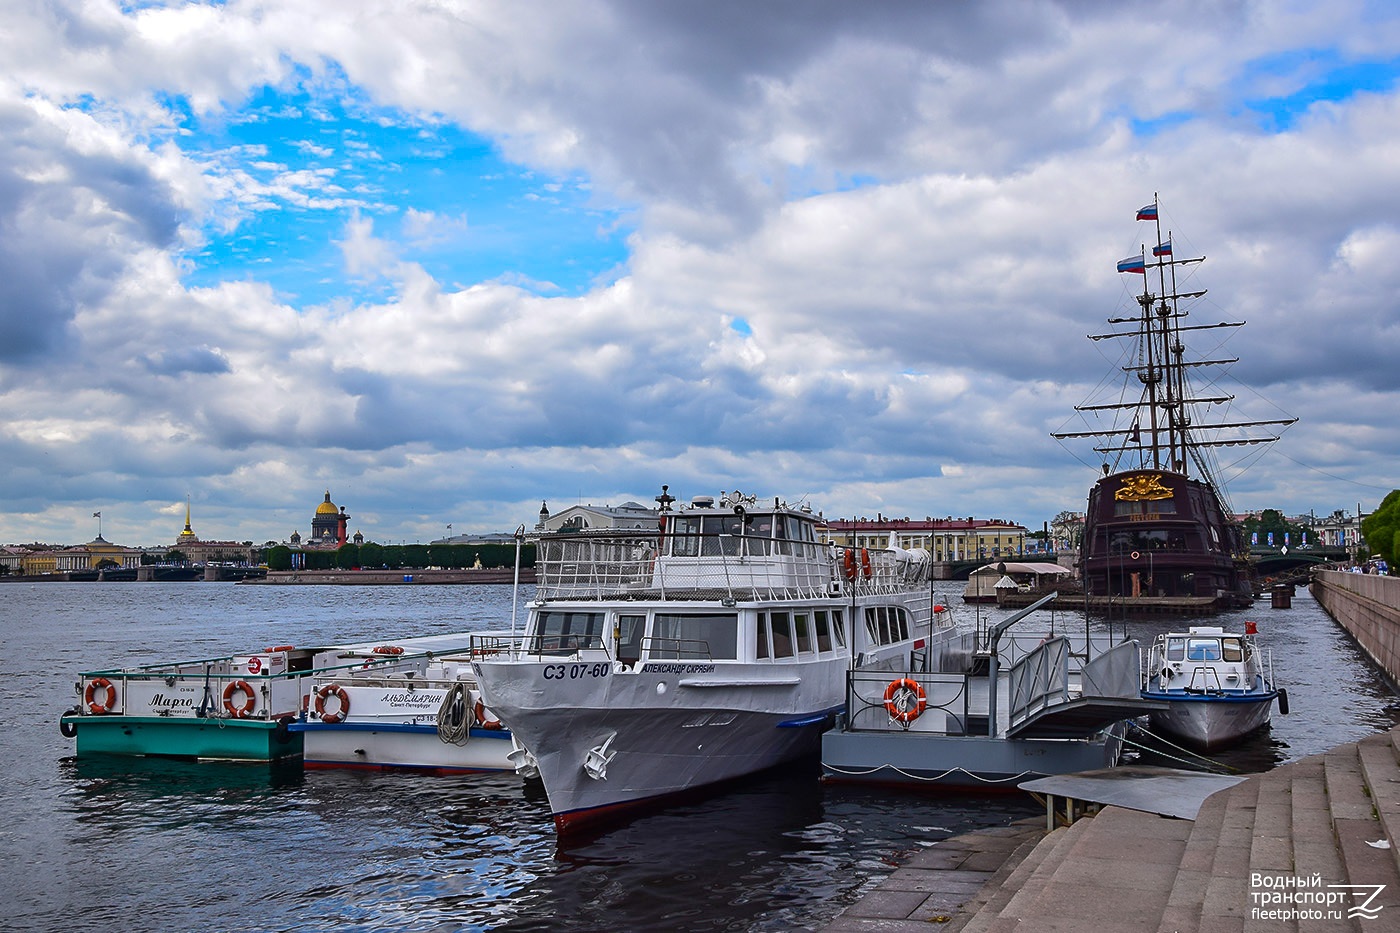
(450, 260)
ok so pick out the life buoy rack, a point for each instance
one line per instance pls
(244, 710)
(388, 649)
(904, 687)
(865, 562)
(479, 713)
(850, 564)
(90, 695)
(324, 694)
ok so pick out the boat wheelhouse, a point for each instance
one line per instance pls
(1158, 534)
(653, 664)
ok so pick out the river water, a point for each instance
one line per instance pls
(136, 845)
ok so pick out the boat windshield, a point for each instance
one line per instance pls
(1233, 649)
(1203, 649)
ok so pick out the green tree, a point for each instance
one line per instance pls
(347, 556)
(372, 555)
(175, 556)
(278, 557)
(1272, 521)
(415, 555)
(1381, 528)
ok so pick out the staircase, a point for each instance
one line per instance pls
(1126, 871)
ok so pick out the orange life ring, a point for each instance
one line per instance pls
(325, 693)
(282, 648)
(898, 711)
(388, 649)
(243, 711)
(479, 711)
(850, 564)
(1135, 555)
(90, 695)
(865, 562)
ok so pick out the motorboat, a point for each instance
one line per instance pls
(1219, 686)
(423, 713)
(657, 662)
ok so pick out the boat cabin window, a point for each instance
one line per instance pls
(1232, 649)
(781, 625)
(886, 624)
(710, 636)
(1176, 649)
(567, 632)
(1145, 507)
(685, 537)
(823, 631)
(1203, 649)
(629, 638)
(761, 647)
(838, 628)
(801, 623)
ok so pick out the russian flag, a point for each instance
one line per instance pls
(1162, 249)
(1133, 264)
(1147, 213)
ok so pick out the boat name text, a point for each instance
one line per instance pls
(680, 668)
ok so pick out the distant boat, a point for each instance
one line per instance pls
(1158, 535)
(1029, 581)
(1219, 686)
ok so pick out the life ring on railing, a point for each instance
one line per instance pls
(479, 713)
(904, 687)
(90, 695)
(282, 648)
(850, 564)
(865, 562)
(244, 710)
(1135, 555)
(388, 649)
(324, 694)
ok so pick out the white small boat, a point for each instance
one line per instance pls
(421, 712)
(988, 583)
(1219, 686)
(709, 647)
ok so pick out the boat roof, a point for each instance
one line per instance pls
(1041, 569)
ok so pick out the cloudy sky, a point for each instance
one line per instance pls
(449, 259)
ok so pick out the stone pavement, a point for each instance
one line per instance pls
(1264, 855)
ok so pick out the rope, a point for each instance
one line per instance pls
(453, 719)
(1216, 766)
(920, 777)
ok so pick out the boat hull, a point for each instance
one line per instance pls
(607, 739)
(1211, 722)
(970, 763)
(406, 746)
(171, 737)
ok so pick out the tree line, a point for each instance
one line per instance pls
(371, 556)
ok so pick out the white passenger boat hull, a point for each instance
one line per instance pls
(1211, 722)
(408, 746)
(605, 737)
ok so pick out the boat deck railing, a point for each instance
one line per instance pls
(644, 565)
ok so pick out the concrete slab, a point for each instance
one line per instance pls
(1164, 791)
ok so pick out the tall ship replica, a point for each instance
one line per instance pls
(1159, 536)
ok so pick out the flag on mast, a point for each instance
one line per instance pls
(1147, 212)
(1133, 264)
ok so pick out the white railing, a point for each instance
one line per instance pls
(608, 565)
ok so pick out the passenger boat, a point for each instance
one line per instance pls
(424, 713)
(236, 707)
(1219, 686)
(1158, 534)
(655, 663)
(997, 706)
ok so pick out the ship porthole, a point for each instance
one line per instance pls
(661, 689)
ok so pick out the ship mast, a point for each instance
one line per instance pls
(1167, 440)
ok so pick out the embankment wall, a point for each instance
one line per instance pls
(1367, 606)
